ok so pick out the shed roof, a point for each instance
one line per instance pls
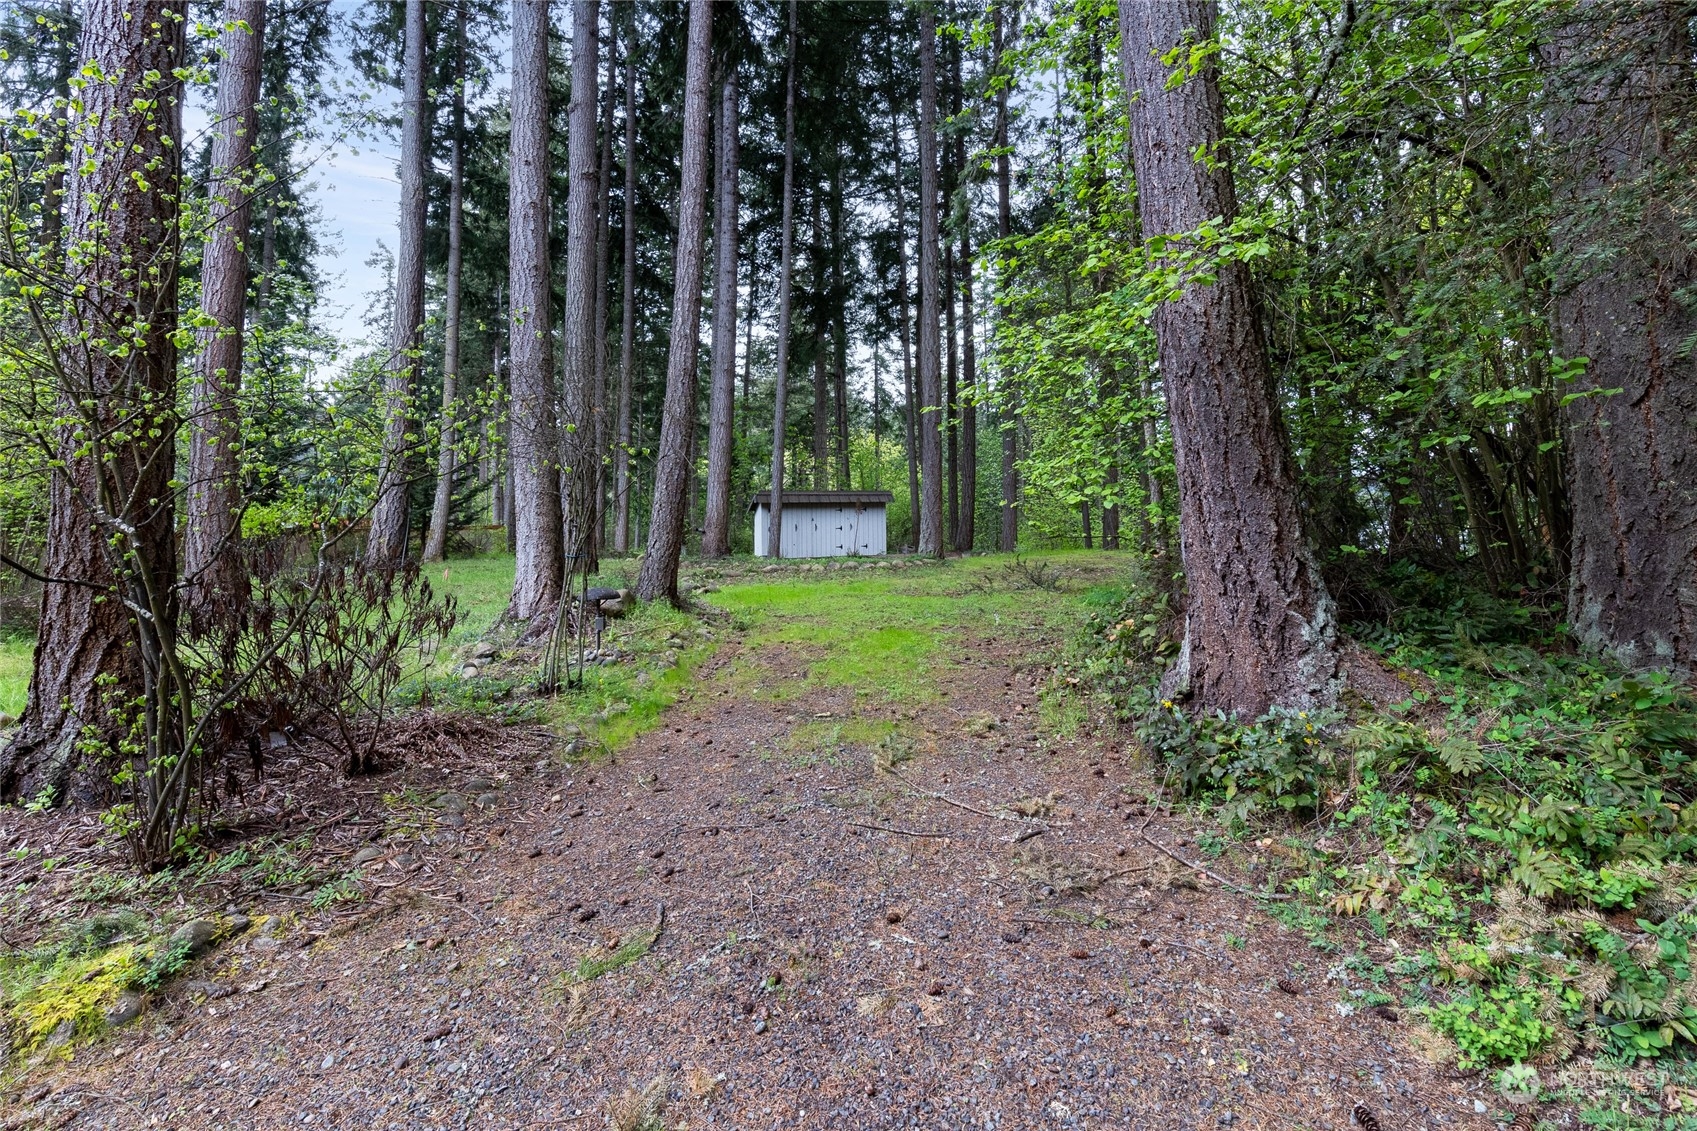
(824, 499)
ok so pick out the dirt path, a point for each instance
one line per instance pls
(812, 969)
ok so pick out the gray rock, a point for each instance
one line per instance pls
(482, 650)
(366, 855)
(61, 1035)
(453, 819)
(195, 937)
(449, 802)
(613, 608)
(238, 924)
(488, 800)
(469, 671)
(125, 1009)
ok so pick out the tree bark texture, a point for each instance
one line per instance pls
(1009, 539)
(968, 407)
(118, 388)
(1259, 625)
(436, 540)
(533, 447)
(1626, 265)
(821, 383)
(659, 574)
(930, 297)
(839, 329)
(786, 274)
(627, 331)
(908, 403)
(721, 423)
(215, 574)
(386, 545)
(603, 266)
(579, 339)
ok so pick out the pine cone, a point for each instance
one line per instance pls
(1366, 1119)
(1289, 986)
(1524, 1121)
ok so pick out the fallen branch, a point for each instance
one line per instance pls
(1225, 883)
(901, 832)
(947, 800)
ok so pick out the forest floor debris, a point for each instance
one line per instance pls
(811, 972)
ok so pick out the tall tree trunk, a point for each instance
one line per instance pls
(786, 273)
(110, 498)
(215, 573)
(1009, 539)
(578, 340)
(1259, 625)
(436, 542)
(387, 542)
(721, 434)
(533, 449)
(839, 327)
(1620, 74)
(951, 386)
(821, 386)
(659, 574)
(603, 266)
(909, 406)
(930, 297)
(627, 332)
(968, 409)
(53, 189)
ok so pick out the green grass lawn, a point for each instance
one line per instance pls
(17, 653)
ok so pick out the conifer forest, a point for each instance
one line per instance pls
(1005, 564)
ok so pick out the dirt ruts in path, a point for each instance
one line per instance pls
(839, 949)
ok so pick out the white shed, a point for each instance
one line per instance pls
(824, 524)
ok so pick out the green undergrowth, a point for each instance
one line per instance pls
(56, 993)
(605, 961)
(1520, 823)
(661, 647)
(17, 656)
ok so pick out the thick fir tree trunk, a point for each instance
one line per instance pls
(386, 545)
(533, 447)
(659, 574)
(436, 541)
(579, 339)
(930, 297)
(627, 330)
(721, 425)
(1259, 626)
(1009, 539)
(1620, 74)
(786, 274)
(215, 574)
(113, 486)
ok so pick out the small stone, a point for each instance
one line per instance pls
(62, 1035)
(329, 1062)
(468, 671)
(238, 923)
(488, 800)
(366, 855)
(585, 914)
(126, 1008)
(1017, 934)
(454, 819)
(760, 1025)
(482, 650)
